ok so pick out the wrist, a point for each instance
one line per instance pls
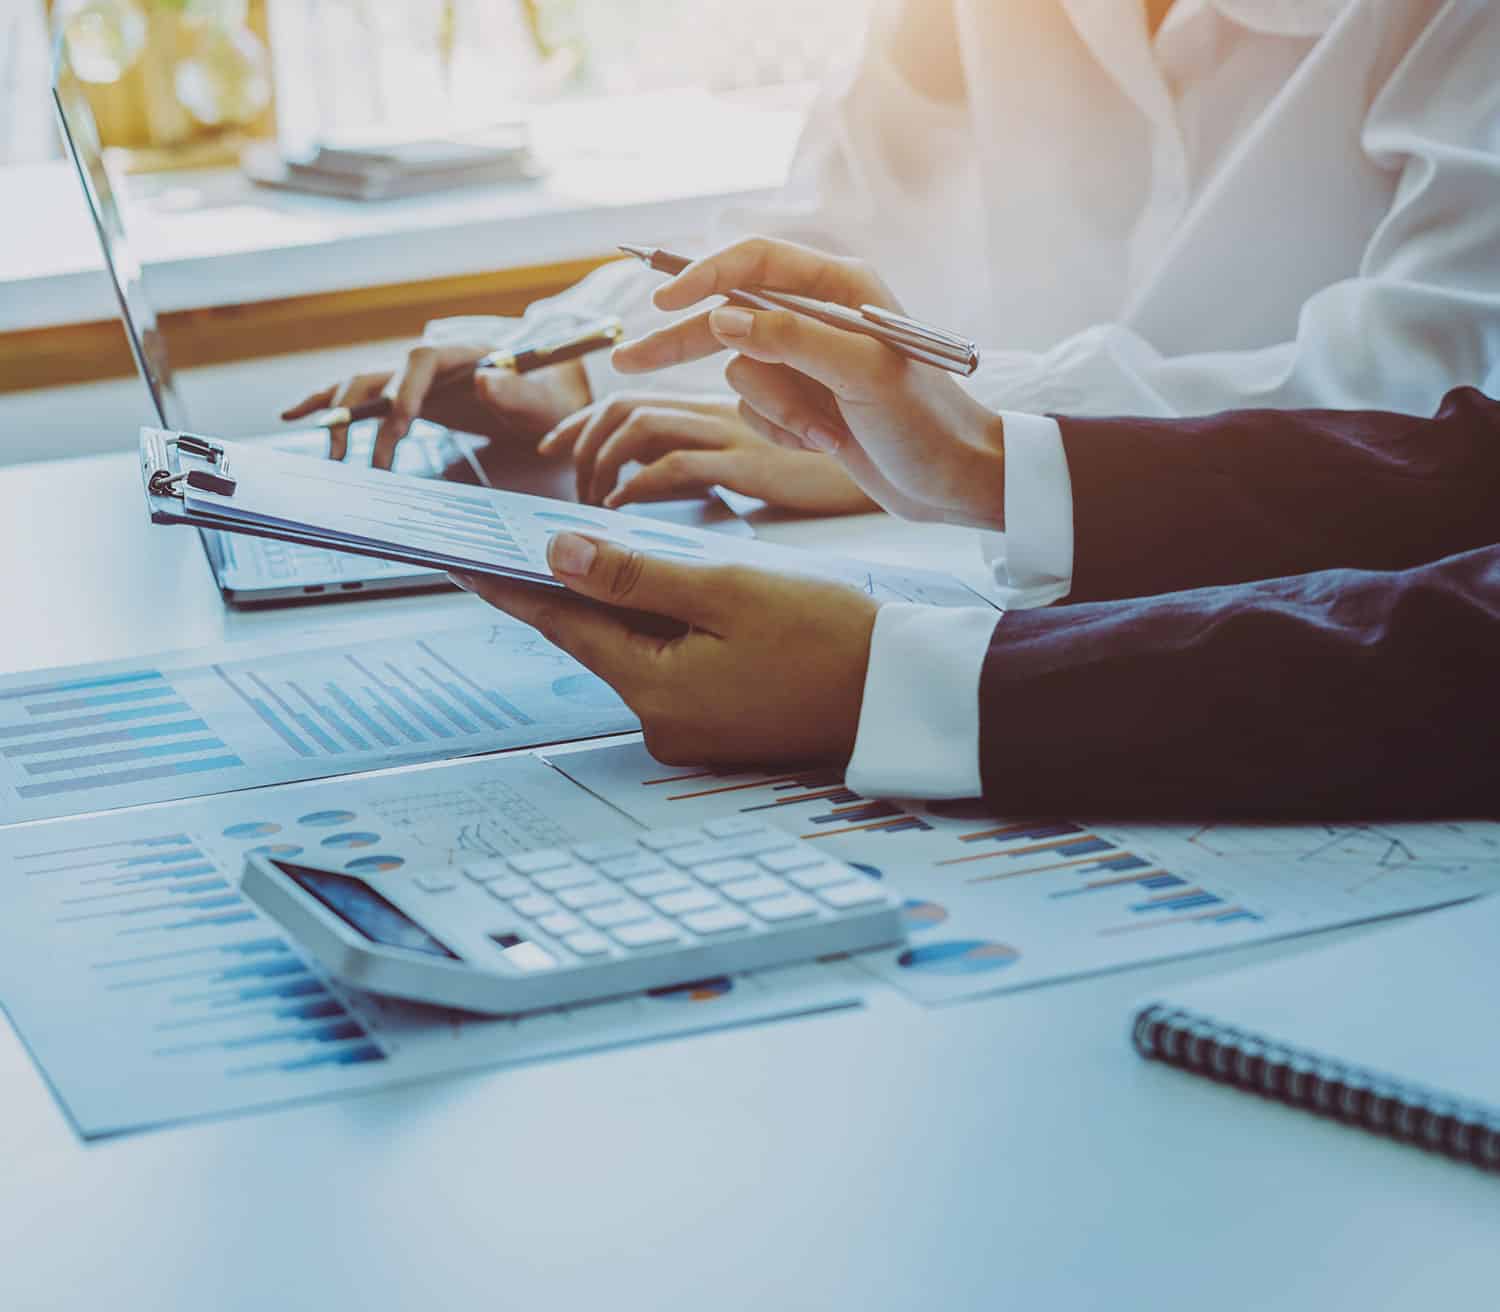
(982, 474)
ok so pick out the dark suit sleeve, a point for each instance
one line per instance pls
(1164, 505)
(1342, 693)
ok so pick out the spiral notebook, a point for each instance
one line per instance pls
(1392, 1032)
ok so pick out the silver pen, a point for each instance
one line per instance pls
(917, 341)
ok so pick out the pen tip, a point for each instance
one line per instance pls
(640, 252)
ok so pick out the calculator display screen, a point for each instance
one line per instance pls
(362, 908)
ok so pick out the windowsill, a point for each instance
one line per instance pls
(643, 168)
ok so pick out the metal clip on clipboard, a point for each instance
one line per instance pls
(168, 476)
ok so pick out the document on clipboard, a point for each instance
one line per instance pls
(209, 483)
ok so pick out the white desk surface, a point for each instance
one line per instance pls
(644, 168)
(1008, 1153)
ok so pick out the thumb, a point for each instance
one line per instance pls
(621, 576)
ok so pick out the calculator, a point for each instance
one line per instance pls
(569, 924)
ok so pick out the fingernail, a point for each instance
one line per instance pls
(462, 581)
(731, 321)
(570, 554)
(818, 438)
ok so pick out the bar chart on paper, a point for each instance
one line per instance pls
(205, 721)
(995, 903)
(149, 990)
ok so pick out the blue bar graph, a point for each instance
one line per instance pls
(509, 707)
(88, 721)
(402, 724)
(359, 715)
(348, 1057)
(80, 741)
(331, 716)
(302, 721)
(1194, 897)
(129, 776)
(436, 702)
(52, 765)
(99, 699)
(494, 698)
(74, 685)
(173, 872)
(464, 698)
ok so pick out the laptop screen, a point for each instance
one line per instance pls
(146, 342)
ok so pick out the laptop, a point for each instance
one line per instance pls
(260, 572)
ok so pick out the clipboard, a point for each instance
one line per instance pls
(174, 464)
(212, 483)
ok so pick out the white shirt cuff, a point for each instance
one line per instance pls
(919, 722)
(1033, 558)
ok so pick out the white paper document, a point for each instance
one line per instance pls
(995, 904)
(149, 991)
(191, 723)
(456, 526)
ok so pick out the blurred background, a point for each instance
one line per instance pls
(185, 74)
(307, 183)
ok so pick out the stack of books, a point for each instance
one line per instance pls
(376, 170)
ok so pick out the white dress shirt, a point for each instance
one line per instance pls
(1270, 203)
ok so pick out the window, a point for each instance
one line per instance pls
(343, 66)
(26, 132)
(350, 65)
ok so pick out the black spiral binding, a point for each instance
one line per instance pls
(1303, 1079)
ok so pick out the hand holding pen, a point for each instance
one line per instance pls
(910, 436)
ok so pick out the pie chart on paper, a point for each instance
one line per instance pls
(959, 957)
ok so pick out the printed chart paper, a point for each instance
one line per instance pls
(459, 526)
(188, 724)
(994, 904)
(149, 991)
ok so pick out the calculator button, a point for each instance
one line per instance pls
(645, 934)
(627, 867)
(722, 871)
(559, 923)
(794, 906)
(617, 913)
(755, 844)
(534, 904)
(661, 839)
(719, 921)
(586, 943)
(436, 883)
(588, 895)
(567, 877)
(529, 956)
(606, 850)
(699, 854)
(748, 890)
(510, 886)
(733, 828)
(694, 899)
(533, 863)
(819, 877)
(481, 872)
(792, 859)
(654, 885)
(856, 893)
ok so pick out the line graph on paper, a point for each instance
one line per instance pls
(1373, 850)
